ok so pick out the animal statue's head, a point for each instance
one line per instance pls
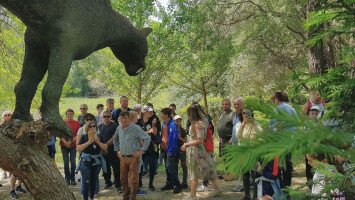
(132, 52)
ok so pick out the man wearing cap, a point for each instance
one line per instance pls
(182, 140)
(314, 112)
(127, 144)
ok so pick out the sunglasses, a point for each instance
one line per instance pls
(82, 108)
(106, 116)
(92, 126)
(7, 115)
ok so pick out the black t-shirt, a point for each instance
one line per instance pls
(107, 132)
(182, 133)
(158, 124)
(92, 149)
(153, 148)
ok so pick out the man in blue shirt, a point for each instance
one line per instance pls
(123, 107)
(170, 137)
(281, 101)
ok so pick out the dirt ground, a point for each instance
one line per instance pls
(159, 182)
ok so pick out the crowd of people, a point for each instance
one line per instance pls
(130, 143)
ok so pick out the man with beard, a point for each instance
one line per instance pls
(123, 107)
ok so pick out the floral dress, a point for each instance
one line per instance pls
(201, 162)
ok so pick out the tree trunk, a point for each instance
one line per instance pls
(24, 154)
(320, 56)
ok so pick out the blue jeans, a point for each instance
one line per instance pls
(172, 163)
(163, 155)
(89, 178)
(69, 154)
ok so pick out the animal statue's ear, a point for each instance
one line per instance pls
(146, 31)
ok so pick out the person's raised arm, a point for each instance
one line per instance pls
(83, 144)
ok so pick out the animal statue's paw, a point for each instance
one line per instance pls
(56, 126)
(21, 116)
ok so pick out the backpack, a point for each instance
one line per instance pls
(209, 143)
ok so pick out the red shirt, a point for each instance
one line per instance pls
(74, 126)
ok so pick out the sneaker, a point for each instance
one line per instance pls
(177, 190)
(203, 188)
(107, 187)
(238, 188)
(151, 188)
(119, 189)
(13, 194)
(184, 186)
(141, 192)
(246, 198)
(19, 189)
(72, 182)
(97, 193)
(167, 187)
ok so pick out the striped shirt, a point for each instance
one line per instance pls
(128, 140)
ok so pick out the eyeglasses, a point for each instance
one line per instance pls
(92, 126)
(82, 108)
(106, 116)
(7, 115)
(89, 120)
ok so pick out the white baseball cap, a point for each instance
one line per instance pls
(177, 117)
(315, 108)
(147, 109)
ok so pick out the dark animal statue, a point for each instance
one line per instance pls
(60, 31)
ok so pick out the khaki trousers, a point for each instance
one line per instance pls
(129, 177)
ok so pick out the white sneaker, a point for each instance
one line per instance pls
(203, 188)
